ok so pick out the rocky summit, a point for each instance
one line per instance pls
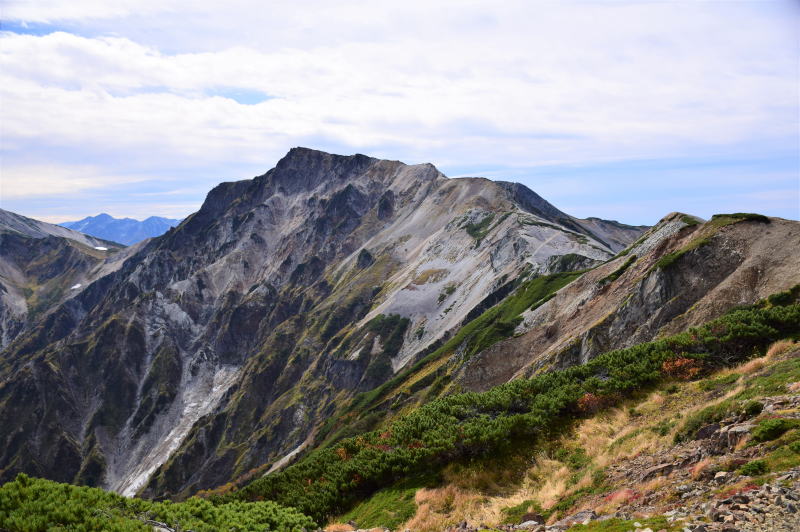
(338, 296)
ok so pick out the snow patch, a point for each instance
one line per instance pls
(75, 286)
(100, 248)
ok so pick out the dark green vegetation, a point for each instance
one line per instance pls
(772, 383)
(613, 276)
(30, 504)
(499, 322)
(478, 230)
(772, 429)
(669, 259)
(390, 329)
(727, 219)
(689, 220)
(781, 449)
(754, 468)
(462, 426)
(513, 514)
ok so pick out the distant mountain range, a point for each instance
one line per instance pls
(123, 230)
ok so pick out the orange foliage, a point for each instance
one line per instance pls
(342, 452)
(682, 368)
(590, 403)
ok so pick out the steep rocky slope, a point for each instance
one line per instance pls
(41, 265)
(680, 274)
(220, 346)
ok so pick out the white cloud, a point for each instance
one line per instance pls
(455, 83)
(31, 180)
(49, 11)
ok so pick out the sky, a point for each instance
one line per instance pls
(618, 109)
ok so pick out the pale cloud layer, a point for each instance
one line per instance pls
(157, 101)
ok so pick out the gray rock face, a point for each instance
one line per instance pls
(220, 346)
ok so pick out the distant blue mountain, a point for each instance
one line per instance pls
(123, 230)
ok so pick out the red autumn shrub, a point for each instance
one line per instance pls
(590, 403)
(682, 368)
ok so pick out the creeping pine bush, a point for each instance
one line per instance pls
(771, 429)
(460, 426)
(33, 504)
(754, 468)
(752, 408)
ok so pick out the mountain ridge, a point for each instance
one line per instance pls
(326, 287)
(43, 265)
(127, 231)
(223, 308)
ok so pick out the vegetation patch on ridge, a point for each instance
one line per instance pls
(613, 276)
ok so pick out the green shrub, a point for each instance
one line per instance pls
(752, 408)
(689, 220)
(574, 458)
(513, 514)
(726, 219)
(786, 297)
(795, 446)
(32, 504)
(478, 230)
(754, 468)
(663, 427)
(708, 415)
(771, 429)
